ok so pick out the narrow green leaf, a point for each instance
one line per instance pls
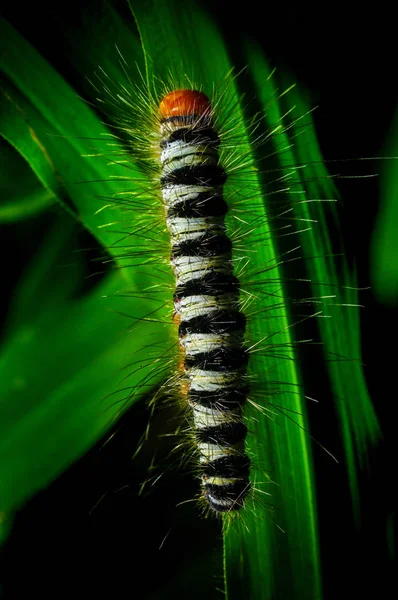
(64, 133)
(257, 552)
(20, 196)
(384, 250)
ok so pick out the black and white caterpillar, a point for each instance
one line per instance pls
(206, 300)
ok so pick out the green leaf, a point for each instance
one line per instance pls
(256, 552)
(58, 137)
(337, 296)
(21, 197)
(385, 242)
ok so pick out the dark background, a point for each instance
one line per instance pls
(90, 519)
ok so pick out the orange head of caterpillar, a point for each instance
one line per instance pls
(185, 106)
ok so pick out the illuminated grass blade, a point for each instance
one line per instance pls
(55, 137)
(255, 556)
(338, 322)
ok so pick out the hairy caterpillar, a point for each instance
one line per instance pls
(178, 154)
(211, 326)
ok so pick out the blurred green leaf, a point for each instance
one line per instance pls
(21, 196)
(57, 369)
(384, 253)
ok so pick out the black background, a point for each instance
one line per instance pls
(346, 59)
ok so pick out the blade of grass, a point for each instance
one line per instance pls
(384, 251)
(186, 41)
(54, 138)
(21, 196)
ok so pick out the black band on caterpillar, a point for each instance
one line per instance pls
(223, 399)
(206, 300)
(210, 284)
(205, 245)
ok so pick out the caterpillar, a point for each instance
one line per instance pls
(177, 136)
(206, 300)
